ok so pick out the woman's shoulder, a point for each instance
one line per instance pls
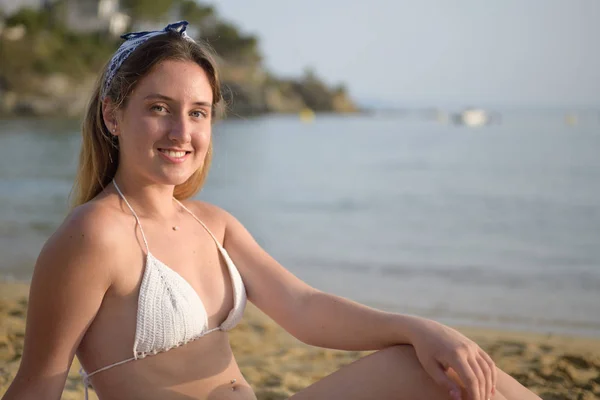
(90, 226)
(218, 219)
(205, 210)
(84, 248)
(214, 215)
(97, 217)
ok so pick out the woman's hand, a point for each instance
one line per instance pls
(440, 348)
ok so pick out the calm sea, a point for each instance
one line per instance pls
(497, 226)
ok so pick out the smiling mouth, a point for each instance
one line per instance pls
(174, 153)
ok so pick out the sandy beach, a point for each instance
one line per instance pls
(277, 365)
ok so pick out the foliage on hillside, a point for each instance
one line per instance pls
(49, 62)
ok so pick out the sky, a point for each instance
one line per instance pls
(434, 52)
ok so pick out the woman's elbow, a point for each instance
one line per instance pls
(26, 387)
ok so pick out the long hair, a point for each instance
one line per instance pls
(99, 156)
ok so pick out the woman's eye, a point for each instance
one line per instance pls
(157, 108)
(198, 114)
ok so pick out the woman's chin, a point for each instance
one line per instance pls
(175, 179)
(177, 182)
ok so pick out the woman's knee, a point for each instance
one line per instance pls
(391, 373)
(403, 363)
(402, 356)
(403, 359)
(399, 350)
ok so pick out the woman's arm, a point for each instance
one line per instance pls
(310, 315)
(67, 288)
(337, 323)
(330, 321)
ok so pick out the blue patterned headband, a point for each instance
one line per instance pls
(132, 41)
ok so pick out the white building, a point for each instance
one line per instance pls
(8, 7)
(96, 15)
(80, 15)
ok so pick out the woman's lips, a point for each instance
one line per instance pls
(174, 156)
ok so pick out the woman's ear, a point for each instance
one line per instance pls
(109, 115)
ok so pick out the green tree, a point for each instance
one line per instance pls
(33, 20)
(148, 9)
(229, 43)
(197, 14)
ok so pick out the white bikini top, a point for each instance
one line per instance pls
(170, 313)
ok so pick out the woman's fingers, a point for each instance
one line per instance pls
(487, 373)
(481, 381)
(439, 375)
(468, 376)
(493, 369)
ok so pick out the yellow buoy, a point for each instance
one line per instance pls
(571, 119)
(306, 115)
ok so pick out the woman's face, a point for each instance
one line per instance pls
(165, 128)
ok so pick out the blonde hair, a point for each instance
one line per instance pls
(99, 156)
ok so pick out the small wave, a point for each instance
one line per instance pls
(580, 280)
(503, 321)
(343, 205)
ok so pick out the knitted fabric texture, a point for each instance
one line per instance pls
(170, 313)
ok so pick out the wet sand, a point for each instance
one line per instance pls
(277, 365)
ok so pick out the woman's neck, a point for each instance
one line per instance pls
(150, 200)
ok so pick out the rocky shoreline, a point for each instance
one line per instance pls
(61, 96)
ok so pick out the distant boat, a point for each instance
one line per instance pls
(472, 117)
(306, 115)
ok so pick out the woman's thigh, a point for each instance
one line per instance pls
(392, 373)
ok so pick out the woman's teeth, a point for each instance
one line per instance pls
(174, 154)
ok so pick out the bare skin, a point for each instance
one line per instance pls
(395, 373)
(83, 298)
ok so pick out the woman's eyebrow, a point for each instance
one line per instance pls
(167, 98)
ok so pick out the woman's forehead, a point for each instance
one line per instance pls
(178, 80)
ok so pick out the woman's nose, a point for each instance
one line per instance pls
(180, 130)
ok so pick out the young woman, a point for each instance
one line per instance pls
(143, 284)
